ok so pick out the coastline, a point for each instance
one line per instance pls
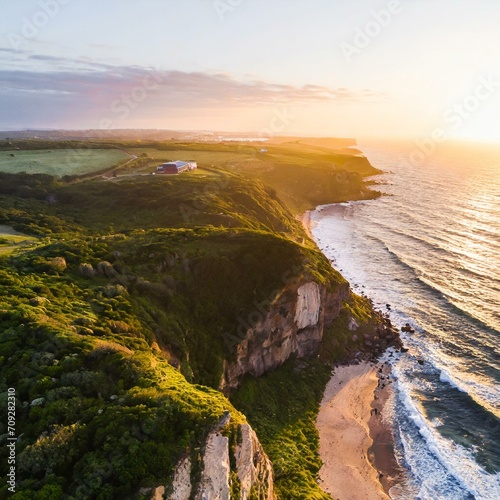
(356, 443)
(352, 438)
(382, 450)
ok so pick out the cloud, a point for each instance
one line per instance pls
(88, 88)
(13, 51)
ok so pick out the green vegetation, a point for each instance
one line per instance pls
(304, 174)
(11, 240)
(339, 343)
(93, 387)
(282, 407)
(114, 321)
(60, 162)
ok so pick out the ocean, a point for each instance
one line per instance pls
(430, 249)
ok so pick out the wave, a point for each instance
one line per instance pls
(326, 207)
(483, 395)
(456, 468)
(464, 313)
(431, 287)
(430, 249)
(466, 364)
(440, 244)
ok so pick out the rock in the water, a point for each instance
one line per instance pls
(407, 328)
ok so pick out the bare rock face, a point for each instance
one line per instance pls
(308, 306)
(292, 324)
(253, 466)
(181, 486)
(158, 493)
(353, 325)
(214, 484)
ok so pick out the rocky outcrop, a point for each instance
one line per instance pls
(214, 484)
(158, 493)
(308, 305)
(86, 270)
(106, 269)
(291, 324)
(253, 466)
(181, 485)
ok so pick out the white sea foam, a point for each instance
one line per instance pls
(385, 249)
(482, 393)
(455, 459)
(452, 372)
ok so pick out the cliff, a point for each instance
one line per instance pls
(293, 325)
(250, 475)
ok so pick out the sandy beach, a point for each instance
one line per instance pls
(356, 444)
(305, 218)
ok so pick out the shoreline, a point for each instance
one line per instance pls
(307, 223)
(356, 443)
(346, 423)
(382, 451)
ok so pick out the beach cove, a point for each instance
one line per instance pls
(356, 442)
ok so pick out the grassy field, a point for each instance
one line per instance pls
(10, 239)
(235, 154)
(60, 162)
(204, 158)
(304, 172)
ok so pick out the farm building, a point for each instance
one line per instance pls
(175, 167)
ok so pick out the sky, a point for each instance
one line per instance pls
(421, 69)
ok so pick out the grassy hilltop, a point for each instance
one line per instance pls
(114, 316)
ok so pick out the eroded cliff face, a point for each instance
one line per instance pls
(293, 324)
(252, 467)
(215, 477)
